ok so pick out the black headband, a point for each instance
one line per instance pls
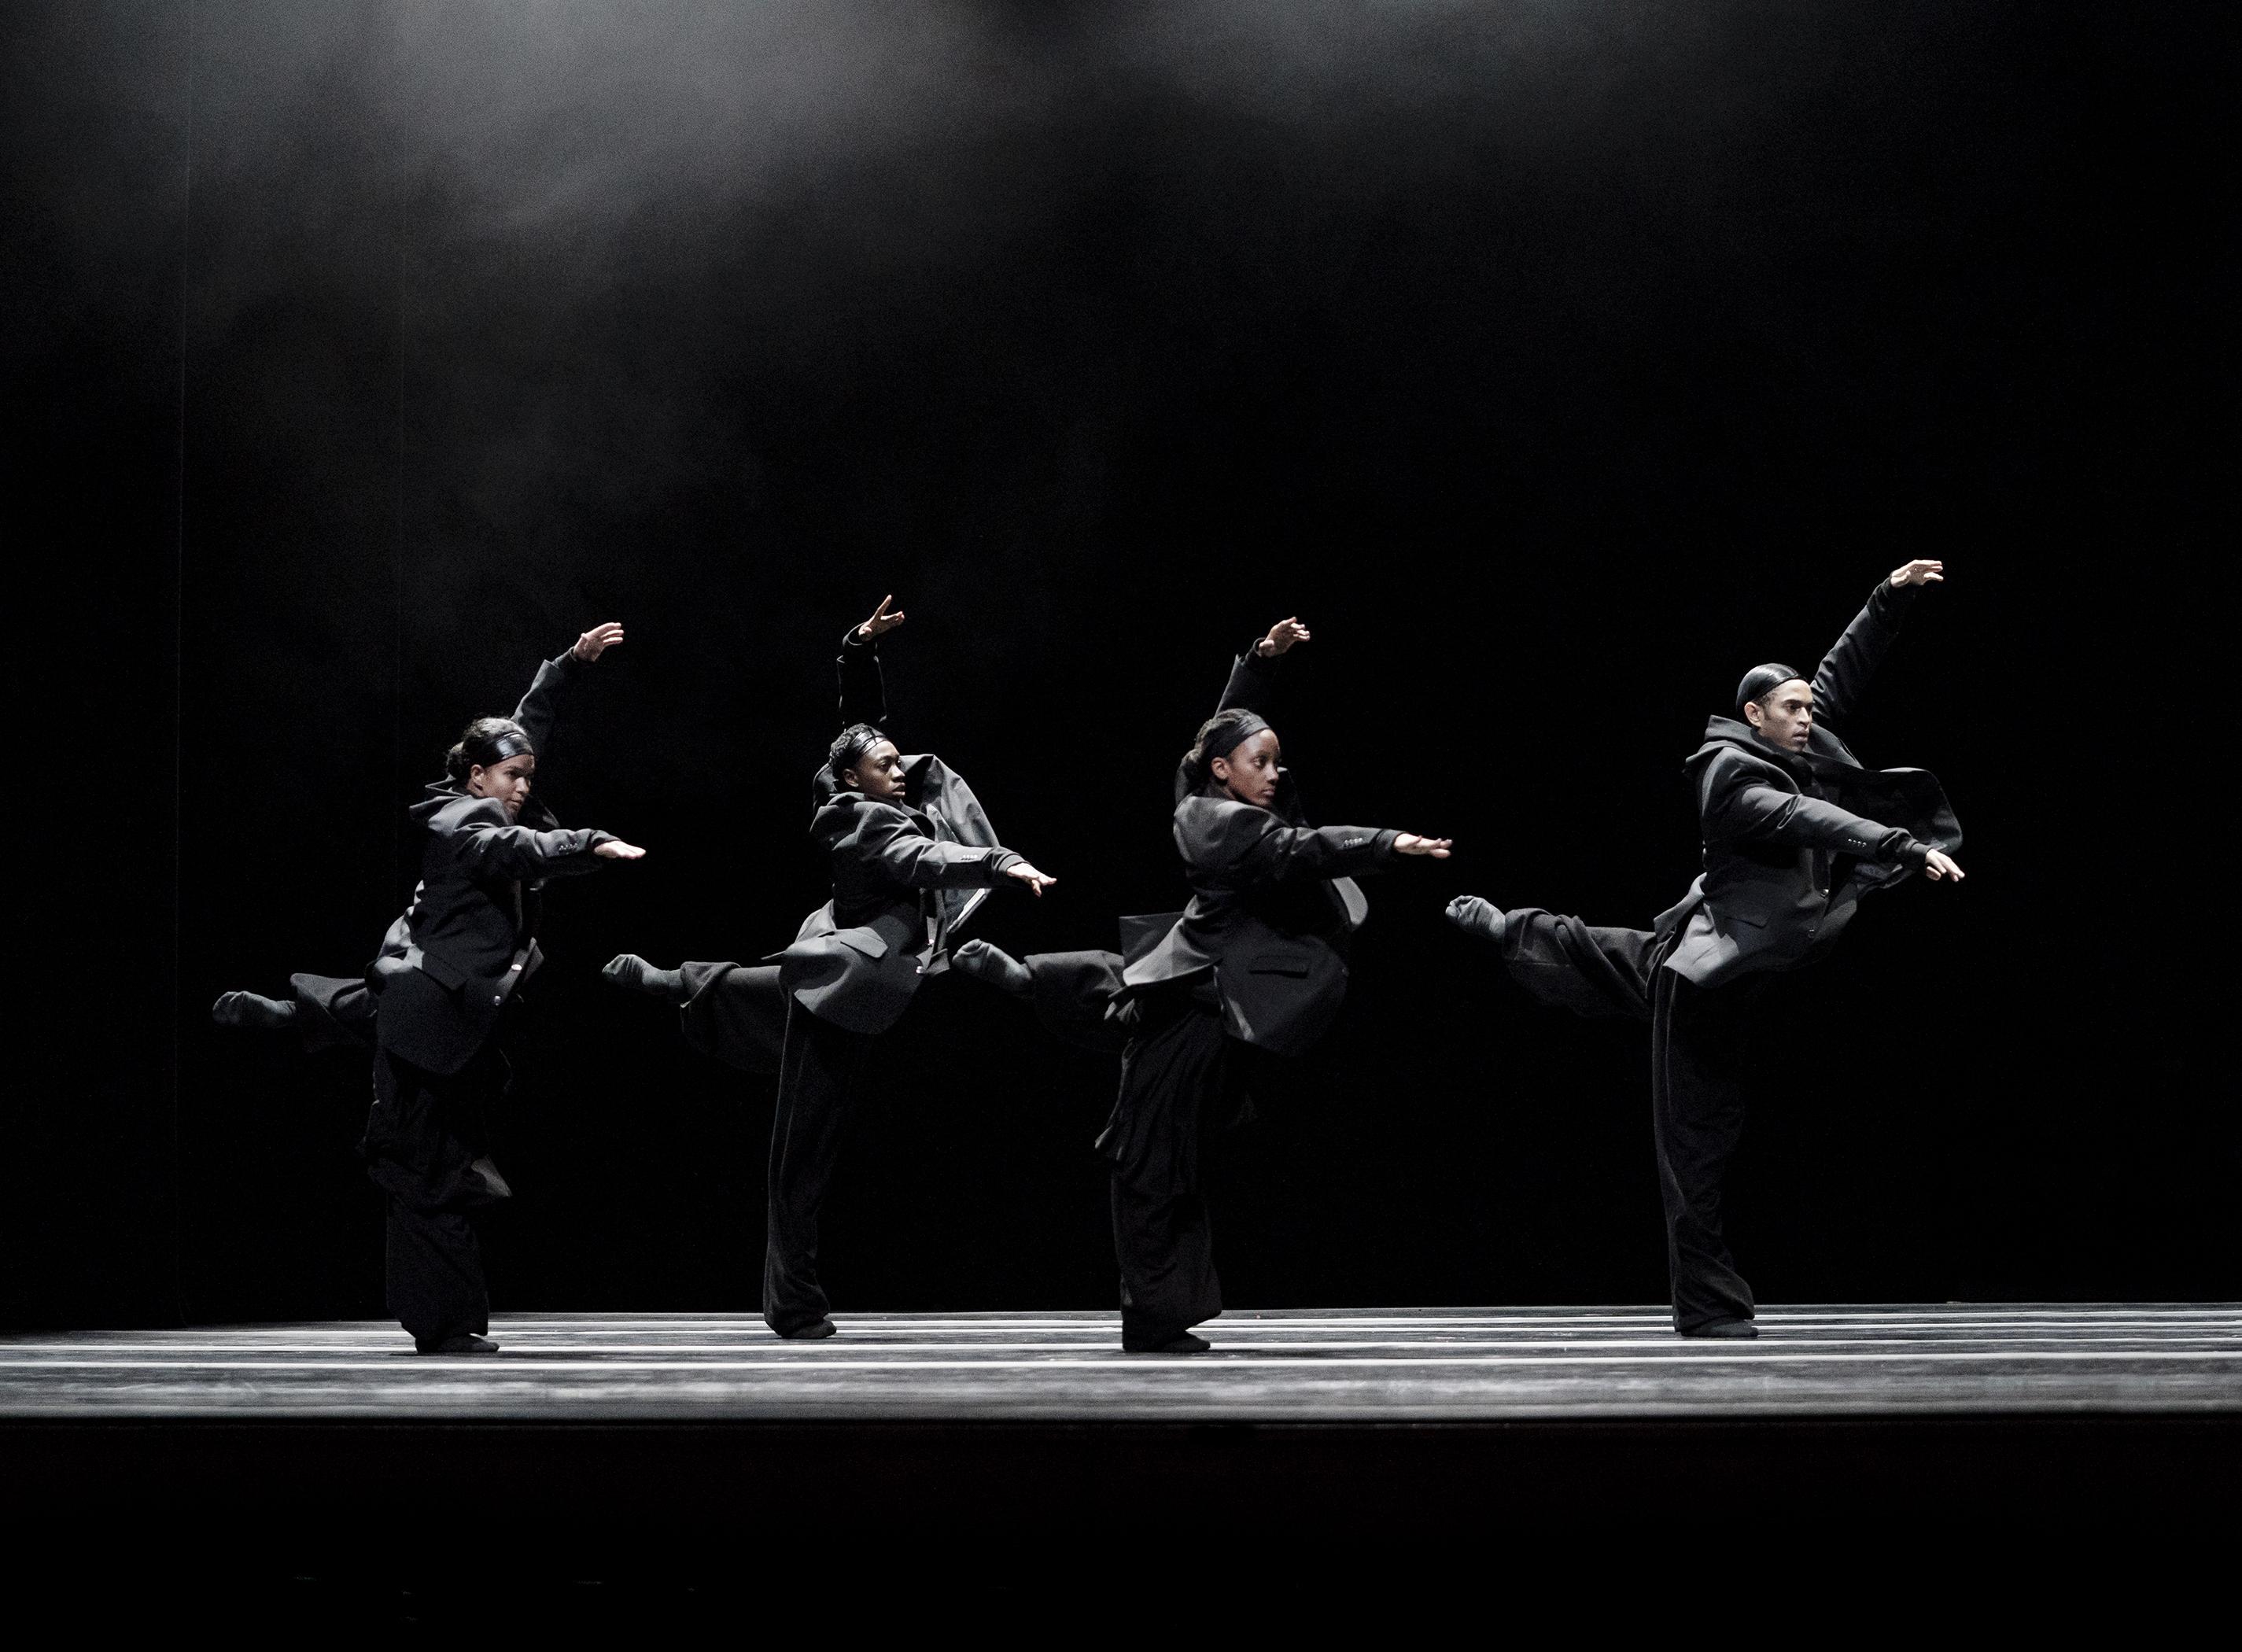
(849, 746)
(1244, 729)
(1763, 680)
(506, 742)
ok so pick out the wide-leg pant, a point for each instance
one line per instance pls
(1179, 1085)
(1700, 1041)
(820, 1081)
(426, 1147)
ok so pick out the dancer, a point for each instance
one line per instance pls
(912, 855)
(1255, 965)
(470, 944)
(332, 1012)
(1794, 833)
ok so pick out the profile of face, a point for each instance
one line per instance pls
(1250, 772)
(878, 773)
(508, 782)
(1784, 718)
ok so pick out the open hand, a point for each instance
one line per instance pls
(1940, 864)
(597, 640)
(1410, 843)
(880, 623)
(1281, 637)
(615, 849)
(1035, 880)
(1922, 571)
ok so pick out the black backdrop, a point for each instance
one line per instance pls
(1555, 362)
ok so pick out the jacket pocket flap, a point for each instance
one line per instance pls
(864, 939)
(442, 973)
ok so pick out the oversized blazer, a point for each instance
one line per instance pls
(451, 966)
(905, 877)
(1273, 905)
(1793, 841)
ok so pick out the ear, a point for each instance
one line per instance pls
(1754, 714)
(1220, 769)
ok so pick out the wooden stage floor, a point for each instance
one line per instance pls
(597, 1436)
(1435, 1365)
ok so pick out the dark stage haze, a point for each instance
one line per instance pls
(1557, 362)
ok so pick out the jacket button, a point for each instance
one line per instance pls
(517, 966)
(499, 998)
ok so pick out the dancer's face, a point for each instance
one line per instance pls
(508, 782)
(1785, 718)
(878, 773)
(1249, 774)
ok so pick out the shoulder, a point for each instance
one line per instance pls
(465, 813)
(1217, 828)
(850, 813)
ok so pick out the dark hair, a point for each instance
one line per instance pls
(1763, 680)
(1218, 737)
(487, 742)
(849, 749)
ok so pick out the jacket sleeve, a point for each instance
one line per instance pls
(1252, 685)
(885, 840)
(1242, 845)
(1841, 679)
(540, 707)
(485, 844)
(1733, 803)
(863, 691)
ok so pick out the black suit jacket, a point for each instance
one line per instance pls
(1273, 900)
(905, 878)
(1793, 841)
(453, 962)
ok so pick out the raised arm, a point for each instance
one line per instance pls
(540, 707)
(1252, 685)
(863, 691)
(1841, 679)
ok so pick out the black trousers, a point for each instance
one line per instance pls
(426, 1147)
(1181, 1084)
(820, 1087)
(1701, 1043)
(333, 1011)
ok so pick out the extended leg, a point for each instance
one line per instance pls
(819, 1073)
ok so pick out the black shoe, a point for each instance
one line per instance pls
(811, 1333)
(998, 968)
(1733, 1328)
(465, 1342)
(1185, 1344)
(252, 1010)
(634, 974)
(1477, 917)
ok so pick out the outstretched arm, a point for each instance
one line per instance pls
(1252, 685)
(487, 845)
(863, 691)
(1245, 846)
(1755, 808)
(1841, 679)
(540, 707)
(886, 839)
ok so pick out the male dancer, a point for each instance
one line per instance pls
(1795, 832)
